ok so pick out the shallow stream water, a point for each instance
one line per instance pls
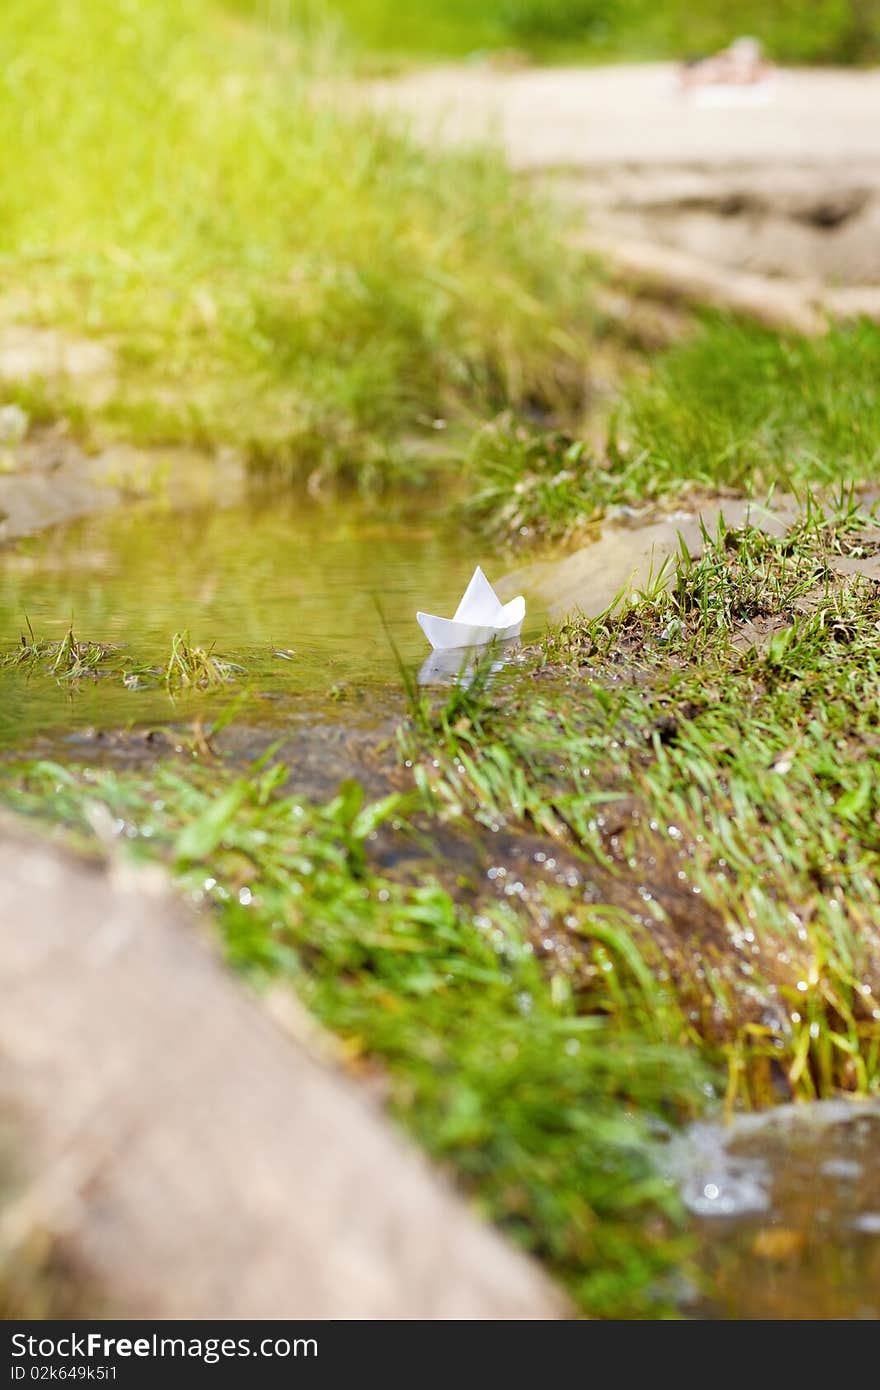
(308, 597)
(785, 1207)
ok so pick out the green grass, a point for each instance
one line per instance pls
(839, 31)
(193, 667)
(541, 1105)
(268, 270)
(271, 271)
(695, 779)
(303, 283)
(711, 755)
(733, 406)
(529, 484)
(742, 406)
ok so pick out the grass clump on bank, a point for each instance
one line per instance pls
(734, 406)
(266, 268)
(741, 406)
(544, 1110)
(710, 756)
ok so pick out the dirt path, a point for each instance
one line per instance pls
(777, 199)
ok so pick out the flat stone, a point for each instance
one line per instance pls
(627, 559)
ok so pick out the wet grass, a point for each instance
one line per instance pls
(734, 406)
(710, 756)
(545, 1111)
(167, 195)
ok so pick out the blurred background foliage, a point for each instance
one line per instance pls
(275, 267)
(820, 31)
(271, 267)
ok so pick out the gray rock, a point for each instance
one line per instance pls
(190, 1158)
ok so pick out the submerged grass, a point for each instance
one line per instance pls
(193, 667)
(189, 667)
(546, 1111)
(65, 658)
(733, 406)
(266, 268)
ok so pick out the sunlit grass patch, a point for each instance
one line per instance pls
(267, 268)
(734, 406)
(742, 406)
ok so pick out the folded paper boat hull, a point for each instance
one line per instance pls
(445, 633)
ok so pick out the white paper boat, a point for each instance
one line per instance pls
(480, 617)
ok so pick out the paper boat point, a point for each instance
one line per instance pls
(480, 617)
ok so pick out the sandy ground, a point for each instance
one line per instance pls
(782, 183)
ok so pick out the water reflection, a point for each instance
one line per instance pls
(460, 665)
